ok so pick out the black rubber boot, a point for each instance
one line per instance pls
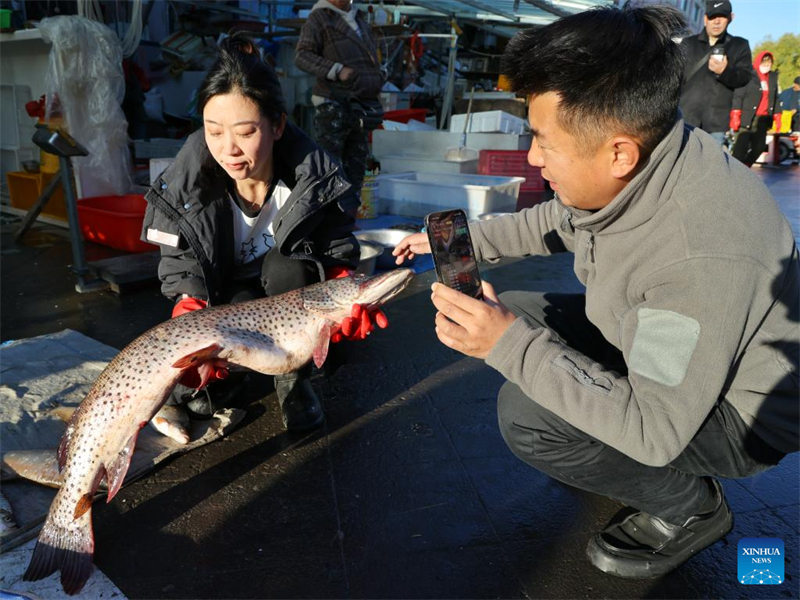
(202, 405)
(641, 546)
(301, 408)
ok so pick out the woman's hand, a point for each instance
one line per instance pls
(416, 243)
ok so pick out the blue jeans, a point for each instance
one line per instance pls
(723, 447)
(718, 135)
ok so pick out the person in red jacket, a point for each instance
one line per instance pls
(753, 110)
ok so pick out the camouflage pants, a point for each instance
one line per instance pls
(339, 132)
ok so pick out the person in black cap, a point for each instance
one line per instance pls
(716, 64)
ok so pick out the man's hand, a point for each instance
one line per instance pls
(345, 74)
(717, 66)
(475, 326)
(359, 324)
(416, 243)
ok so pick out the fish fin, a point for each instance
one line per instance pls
(85, 501)
(323, 341)
(65, 548)
(199, 356)
(84, 504)
(115, 473)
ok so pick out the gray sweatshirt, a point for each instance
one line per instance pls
(692, 272)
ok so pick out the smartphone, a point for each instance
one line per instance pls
(453, 255)
(718, 53)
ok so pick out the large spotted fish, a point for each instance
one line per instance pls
(271, 335)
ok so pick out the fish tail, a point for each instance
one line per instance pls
(68, 549)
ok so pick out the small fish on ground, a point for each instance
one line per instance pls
(173, 422)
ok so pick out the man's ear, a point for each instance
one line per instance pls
(625, 155)
(280, 127)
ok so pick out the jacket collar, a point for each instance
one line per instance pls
(703, 36)
(641, 198)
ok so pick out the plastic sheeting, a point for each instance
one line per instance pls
(85, 74)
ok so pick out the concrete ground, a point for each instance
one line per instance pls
(407, 492)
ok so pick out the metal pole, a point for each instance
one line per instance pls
(451, 80)
(79, 261)
(34, 211)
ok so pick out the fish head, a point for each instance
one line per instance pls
(335, 298)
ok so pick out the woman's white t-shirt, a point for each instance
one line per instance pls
(254, 235)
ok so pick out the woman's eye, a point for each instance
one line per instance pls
(214, 133)
(246, 135)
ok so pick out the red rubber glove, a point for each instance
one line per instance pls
(200, 376)
(735, 120)
(186, 305)
(359, 324)
(776, 122)
(337, 272)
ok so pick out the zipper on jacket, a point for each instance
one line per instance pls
(169, 211)
(588, 251)
(601, 385)
(303, 195)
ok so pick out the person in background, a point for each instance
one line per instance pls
(338, 47)
(679, 364)
(717, 63)
(251, 207)
(753, 111)
(789, 100)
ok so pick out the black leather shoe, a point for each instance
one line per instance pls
(300, 406)
(641, 546)
(203, 404)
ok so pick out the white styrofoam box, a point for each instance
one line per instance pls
(414, 125)
(434, 144)
(157, 166)
(417, 194)
(179, 91)
(492, 121)
(16, 127)
(424, 164)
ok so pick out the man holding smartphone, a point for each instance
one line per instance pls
(717, 63)
(679, 364)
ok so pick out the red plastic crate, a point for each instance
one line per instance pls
(511, 163)
(404, 116)
(114, 221)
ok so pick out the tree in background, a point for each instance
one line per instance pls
(787, 56)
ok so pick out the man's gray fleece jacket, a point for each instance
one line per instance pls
(692, 272)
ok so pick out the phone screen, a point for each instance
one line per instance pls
(452, 252)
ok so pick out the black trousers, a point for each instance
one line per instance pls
(340, 133)
(724, 446)
(279, 274)
(751, 142)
